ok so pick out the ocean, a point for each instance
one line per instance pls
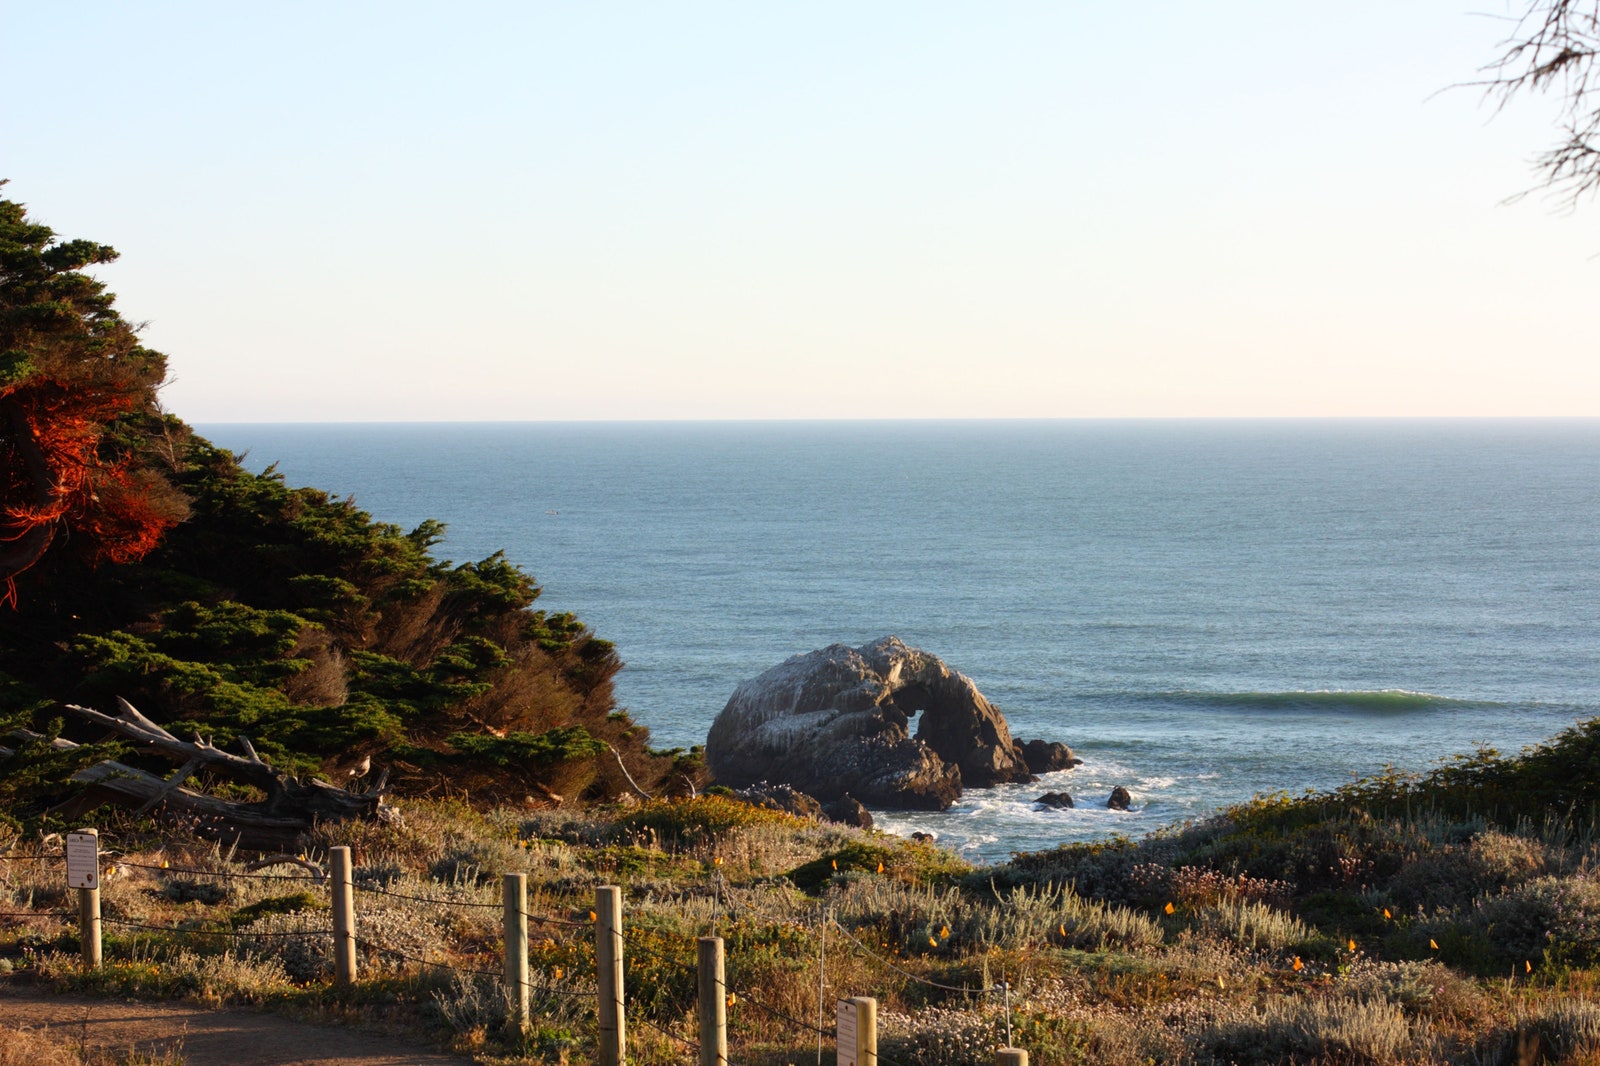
(1204, 610)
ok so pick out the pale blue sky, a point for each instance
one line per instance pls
(824, 210)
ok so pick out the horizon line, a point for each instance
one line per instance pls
(881, 421)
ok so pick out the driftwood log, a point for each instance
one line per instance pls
(290, 808)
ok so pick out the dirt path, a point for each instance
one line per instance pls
(204, 1037)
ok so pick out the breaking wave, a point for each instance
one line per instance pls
(1381, 702)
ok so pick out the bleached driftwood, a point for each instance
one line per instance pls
(290, 806)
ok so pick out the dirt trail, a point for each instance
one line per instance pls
(204, 1037)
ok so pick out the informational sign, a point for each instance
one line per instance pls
(83, 860)
(845, 1033)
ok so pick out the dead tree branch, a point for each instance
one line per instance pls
(290, 806)
(1555, 46)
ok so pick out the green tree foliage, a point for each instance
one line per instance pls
(78, 409)
(294, 618)
(278, 612)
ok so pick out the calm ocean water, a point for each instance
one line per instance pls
(1203, 610)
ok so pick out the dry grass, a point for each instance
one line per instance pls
(57, 1047)
(1230, 974)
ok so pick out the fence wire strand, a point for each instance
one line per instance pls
(235, 933)
(427, 899)
(986, 990)
(685, 1041)
(228, 874)
(425, 962)
(38, 914)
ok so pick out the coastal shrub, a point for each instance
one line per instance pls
(969, 1037)
(696, 820)
(473, 1003)
(931, 920)
(293, 903)
(1555, 919)
(1564, 1031)
(1096, 870)
(1199, 886)
(478, 1008)
(767, 850)
(1568, 1028)
(186, 890)
(1455, 875)
(217, 979)
(304, 958)
(938, 1036)
(1068, 920)
(775, 961)
(1253, 926)
(914, 863)
(230, 978)
(1332, 1030)
(476, 861)
(660, 961)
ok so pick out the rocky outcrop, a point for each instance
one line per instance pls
(778, 798)
(839, 720)
(1044, 756)
(1120, 799)
(1059, 801)
(847, 810)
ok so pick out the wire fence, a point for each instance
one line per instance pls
(916, 978)
(241, 934)
(436, 964)
(38, 914)
(466, 904)
(197, 871)
(670, 948)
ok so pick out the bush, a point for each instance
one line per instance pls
(1345, 1031)
(696, 820)
(293, 903)
(916, 863)
(1254, 926)
(1567, 1031)
(1456, 875)
(1556, 919)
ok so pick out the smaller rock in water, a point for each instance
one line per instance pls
(1046, 756)
(847, 810)
(924, 838)
(1056, 800)
(1120, 799)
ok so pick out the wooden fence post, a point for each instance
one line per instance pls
(713, 1005)
(515, 895)
(857, 1031)
(1010, 1056)
(83, 873)
(344, 917)
(89, 927)
(608, 969)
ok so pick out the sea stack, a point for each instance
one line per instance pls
(838, 720)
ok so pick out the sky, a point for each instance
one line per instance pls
(531, 211)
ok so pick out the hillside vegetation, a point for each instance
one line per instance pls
(324, 636)
(1374, 926)
(139, 561)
